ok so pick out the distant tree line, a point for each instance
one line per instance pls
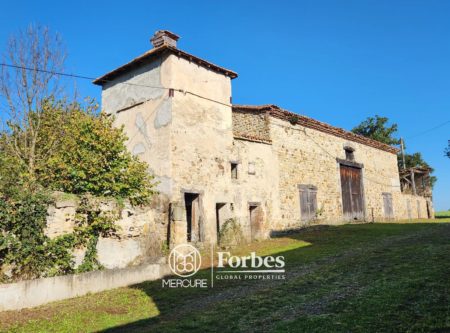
(379, 128)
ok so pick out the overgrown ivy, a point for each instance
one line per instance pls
(26, 252)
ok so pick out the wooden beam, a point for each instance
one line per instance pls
(413, 182)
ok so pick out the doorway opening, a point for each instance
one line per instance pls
(352, 193)
(193, 217)
(220, 210)
(429, 210)
(256, 220)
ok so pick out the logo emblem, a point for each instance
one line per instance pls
(184, 260)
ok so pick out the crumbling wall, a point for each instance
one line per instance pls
(139, 238)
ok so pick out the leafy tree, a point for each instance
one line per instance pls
(447, 150)
(377, 128)
(89, 155)
(49, 144)
(92, 157)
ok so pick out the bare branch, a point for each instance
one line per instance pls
(38, 54)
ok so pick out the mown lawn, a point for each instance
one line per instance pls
(353, 278)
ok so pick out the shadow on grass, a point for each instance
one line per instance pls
(176, 304)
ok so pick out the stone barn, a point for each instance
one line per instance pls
(260, 167)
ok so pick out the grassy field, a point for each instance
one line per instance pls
(442, 215)
(352, 278)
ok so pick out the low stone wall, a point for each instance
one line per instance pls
(30, 293)
(140, 235)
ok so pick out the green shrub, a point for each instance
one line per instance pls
(78, 150)
(231, 233)
(92, 158)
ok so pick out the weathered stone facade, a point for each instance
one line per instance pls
(216, 162)
(139, 230)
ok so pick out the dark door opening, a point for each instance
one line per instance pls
(193, 218)
(352, 194)
(256, 220)
(219, 219)
(429, 210)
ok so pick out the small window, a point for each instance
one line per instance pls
(234, 170)
(349, 153)
(251, 168)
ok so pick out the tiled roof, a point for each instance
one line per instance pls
(294, 118)
(150, 55)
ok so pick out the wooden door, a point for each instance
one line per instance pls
(388, 206)
(308, 202)
(352, 194)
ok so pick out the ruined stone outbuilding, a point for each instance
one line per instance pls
(263, 167)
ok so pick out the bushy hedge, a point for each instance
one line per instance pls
(78, 151)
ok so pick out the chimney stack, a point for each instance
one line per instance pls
(164, 37)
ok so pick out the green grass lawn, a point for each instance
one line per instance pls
(354, 278)
(443, 214)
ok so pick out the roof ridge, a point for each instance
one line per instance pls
(280, 113)
(157, 50)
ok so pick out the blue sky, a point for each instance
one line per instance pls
(337, 61)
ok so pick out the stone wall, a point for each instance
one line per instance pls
(251, 125)
(308, 156)
(140, 236)
(410, 207)
(257, 184)
(190, 136)
(202, 140)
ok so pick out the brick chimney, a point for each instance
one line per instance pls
(164, 37)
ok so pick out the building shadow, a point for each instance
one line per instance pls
(174, 303)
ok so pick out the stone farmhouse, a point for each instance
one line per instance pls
(263, 167)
